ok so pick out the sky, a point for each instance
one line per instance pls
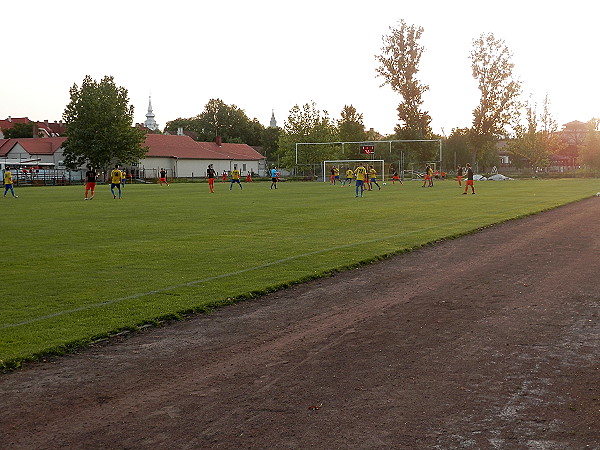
(267, 55)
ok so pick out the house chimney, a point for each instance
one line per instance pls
(180, 131)
(218, 140)
(9, 119)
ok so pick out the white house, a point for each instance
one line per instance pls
(32, 151)
(183, 157)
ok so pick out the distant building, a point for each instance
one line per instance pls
(273, 123)
(40, 129)
(181, 156)
(150, 123)
(32, 151)
(184, 157)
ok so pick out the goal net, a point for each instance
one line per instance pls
(344, 164)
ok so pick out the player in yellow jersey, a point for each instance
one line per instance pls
(235, 178)
(8, 183)
(373, 176)
(115, 181)
(349, 176)
(336, 174)
(361, 175)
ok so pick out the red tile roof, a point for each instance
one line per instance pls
(33, 146)
(42, 146)
(6, 145)
(5, 124)
(164, 145)
(160, 145)
(49, 128)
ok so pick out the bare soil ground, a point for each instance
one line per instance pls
(487, 341)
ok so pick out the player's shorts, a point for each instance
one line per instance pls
(274, 179)
(427, 177)
(235, 180)
(163, 180)
(115, 185)
(373, 180)
(90, 186)
(395, 178)
(459, 178)
(470, 183)
(337, 177)
(360, 183)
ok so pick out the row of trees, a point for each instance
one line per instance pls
(99, 119)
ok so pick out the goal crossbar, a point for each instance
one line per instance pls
(389, 142)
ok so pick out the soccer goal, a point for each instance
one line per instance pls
(345, 164)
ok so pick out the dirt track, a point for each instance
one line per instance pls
(488, 341)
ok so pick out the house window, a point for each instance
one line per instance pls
(244, 167)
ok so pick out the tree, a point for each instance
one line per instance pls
(589, 154)
(19, 130)
(308, 124)
(99, 125)
(499, 102)
(270, 142)
(399, 65)
(457, 147)
(350, 126)
(539, 139)
(228, 122)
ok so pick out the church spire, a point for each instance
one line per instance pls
(150, 123)
(273, 123)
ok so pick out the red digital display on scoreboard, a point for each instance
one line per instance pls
(368, 149)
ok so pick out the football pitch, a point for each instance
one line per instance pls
(76, 271)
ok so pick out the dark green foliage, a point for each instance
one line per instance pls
(99, 126)
(19, 130)
(270, 142)
(219, 119)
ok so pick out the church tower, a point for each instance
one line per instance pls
(150, 123)
(273, 123)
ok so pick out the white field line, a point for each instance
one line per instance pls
(216, 277)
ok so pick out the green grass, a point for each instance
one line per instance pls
(75, 270)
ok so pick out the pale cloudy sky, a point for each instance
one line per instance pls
(268, 55)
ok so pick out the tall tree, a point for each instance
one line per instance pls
(499, 103)
(99, 122)
(399, 65)
(308, 124)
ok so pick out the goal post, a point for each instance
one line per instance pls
(385, 149)
(344, 164)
